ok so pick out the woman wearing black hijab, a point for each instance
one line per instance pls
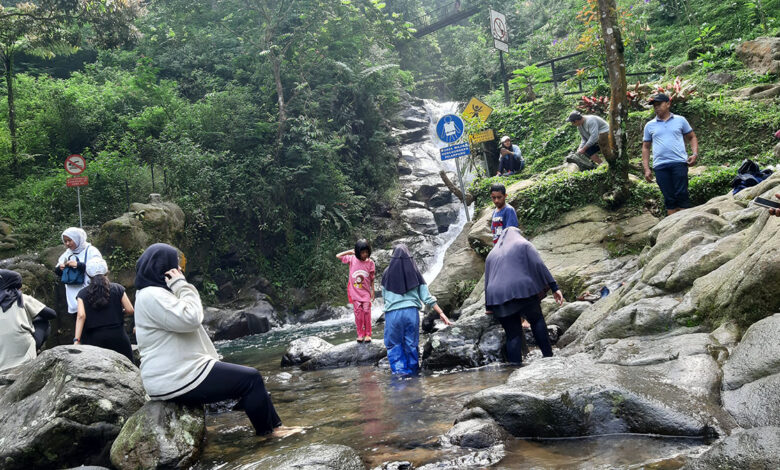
(178, 360)
(405, 292)
(516, 281)
(24, 322)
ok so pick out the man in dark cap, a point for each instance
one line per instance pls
(666, 135)
(595, 135)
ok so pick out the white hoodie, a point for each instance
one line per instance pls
(176, 352)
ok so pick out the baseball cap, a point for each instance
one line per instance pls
(659, 97)
(504, 139)
(95, 266)
(575, 116)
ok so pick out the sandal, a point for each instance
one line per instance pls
(360, 339)
(367, 339)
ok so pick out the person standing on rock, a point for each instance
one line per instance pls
(516, 281)
(178, 359)
(71, 266)
(102, 307)
(20, 315)
(594, 132)
(510, 160)
(504, 215)
(666, 135)
(405, 292)
(360, 286)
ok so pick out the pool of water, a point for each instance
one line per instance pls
(385, 418)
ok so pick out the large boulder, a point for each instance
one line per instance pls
(312, 457)
(737, 288)
(223, 324)
(477, 431)
(303, 349)
(761, 55)
(123, 239)
(421, 220)
(575, 396)
(160, 435)
(757, 448)
(463, 267)
(66, 408)
(346, 355)
(751, 376)
(580, 246)
(566, 315)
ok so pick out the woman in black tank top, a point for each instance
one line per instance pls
(102, 307)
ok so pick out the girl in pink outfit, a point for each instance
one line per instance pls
(360, 286)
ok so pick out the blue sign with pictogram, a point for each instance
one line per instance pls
(449, 128)
(455, 151)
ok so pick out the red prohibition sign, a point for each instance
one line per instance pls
(499, 29)
(75, 164)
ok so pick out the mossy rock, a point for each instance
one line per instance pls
(160, 435)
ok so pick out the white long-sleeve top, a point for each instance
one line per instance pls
(176, 352)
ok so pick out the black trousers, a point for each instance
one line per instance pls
(114, 338)
(229, 381)
(513, 326)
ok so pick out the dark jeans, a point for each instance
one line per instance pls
(511, 163)
(229, 381)
(673, 181)
(513, 325)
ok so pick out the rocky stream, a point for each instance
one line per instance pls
(639, 379)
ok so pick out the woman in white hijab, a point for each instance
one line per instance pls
(78, 252)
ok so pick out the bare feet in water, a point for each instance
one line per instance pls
(284, 431)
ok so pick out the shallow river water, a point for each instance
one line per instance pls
(389, 419)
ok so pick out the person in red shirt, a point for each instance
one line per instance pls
(360, 286)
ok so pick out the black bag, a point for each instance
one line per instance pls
(73, 275)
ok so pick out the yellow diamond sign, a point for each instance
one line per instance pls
(478, 109)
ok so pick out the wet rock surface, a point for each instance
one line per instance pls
(160, 435)
(313, 457)
(223, 324)
(303, 349)
(751, 376)
(757, 448)
(476, 433)
(346, 355)
(575, 396)
(66, 407)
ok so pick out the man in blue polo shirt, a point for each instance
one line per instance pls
(666, 135)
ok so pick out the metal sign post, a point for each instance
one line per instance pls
(450, 129)
(500, 33)
(75, 165)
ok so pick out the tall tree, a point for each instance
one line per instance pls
(49, 27)
(618, 105)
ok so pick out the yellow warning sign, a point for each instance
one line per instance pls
(476, 108)
(483, 136)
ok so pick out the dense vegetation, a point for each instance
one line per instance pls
(267, 120)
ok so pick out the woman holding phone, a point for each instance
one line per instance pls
(178, 360)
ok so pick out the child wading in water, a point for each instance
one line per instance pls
(360, 286)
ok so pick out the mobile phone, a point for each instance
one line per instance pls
(766, 203)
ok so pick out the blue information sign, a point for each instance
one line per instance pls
(449, 128)
(455, 151)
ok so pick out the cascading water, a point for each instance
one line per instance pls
(382, 417)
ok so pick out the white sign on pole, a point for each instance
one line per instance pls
(498, 26)
(501, 46)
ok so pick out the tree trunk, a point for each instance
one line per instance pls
(8, 64)
(276, 66)
(616, 155)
